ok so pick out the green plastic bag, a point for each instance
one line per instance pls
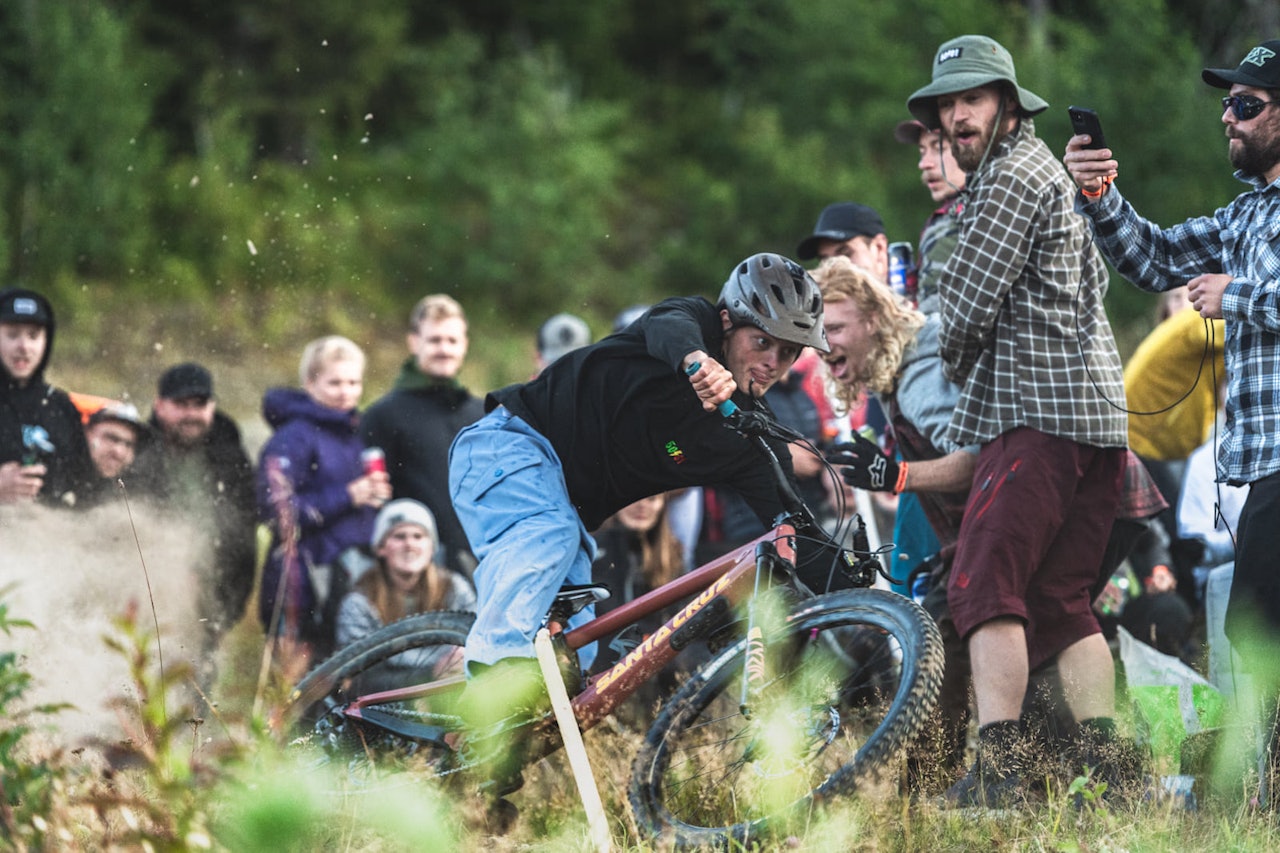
(1171, 701)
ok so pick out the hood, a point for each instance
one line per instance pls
(411, 378)
(7, 296)
(281, 405)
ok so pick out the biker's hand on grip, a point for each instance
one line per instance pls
(865, 466)
(712, 381)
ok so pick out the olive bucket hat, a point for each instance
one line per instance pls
(968, 62)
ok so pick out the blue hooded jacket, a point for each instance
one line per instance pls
(317, 450)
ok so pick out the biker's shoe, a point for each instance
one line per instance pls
(995, 781)
(496, 701)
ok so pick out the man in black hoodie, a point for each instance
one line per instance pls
(415, 423)
(43, 452)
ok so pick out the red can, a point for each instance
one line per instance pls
(374, 460)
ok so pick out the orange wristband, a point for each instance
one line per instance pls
(1106, 184)
(902, 478)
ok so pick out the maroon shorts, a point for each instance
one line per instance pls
(1033, 536)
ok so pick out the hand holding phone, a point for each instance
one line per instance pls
(1084, 121)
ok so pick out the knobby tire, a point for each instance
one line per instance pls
(360, 667)
(852, 680)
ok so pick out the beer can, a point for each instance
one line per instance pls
(374, 460)
(900, 269)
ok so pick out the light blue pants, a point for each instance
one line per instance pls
(509, 492)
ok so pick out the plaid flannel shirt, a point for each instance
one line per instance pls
(1024, 331)
(1243, 241)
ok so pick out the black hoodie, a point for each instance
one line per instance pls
(39, 423)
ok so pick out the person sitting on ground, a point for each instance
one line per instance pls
(638, 552)
(314, 494)
(43, 452)
(405, 580)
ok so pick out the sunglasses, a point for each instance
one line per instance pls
(1245, 107)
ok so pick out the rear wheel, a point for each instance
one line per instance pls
(851, 679)
(415, 650)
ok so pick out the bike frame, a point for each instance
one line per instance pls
(718, 587)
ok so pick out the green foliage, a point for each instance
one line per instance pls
(333, 161)
(169, 807)
(80, 160)
(27, 786)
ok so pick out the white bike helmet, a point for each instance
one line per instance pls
(777, 296)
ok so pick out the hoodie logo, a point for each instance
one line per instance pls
(675, 453)
(26, 305)
(1259, 56)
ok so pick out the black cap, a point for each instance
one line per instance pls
(184, 381)
(841, 221)
(24, 306)
(1260, 68)
(909, 132)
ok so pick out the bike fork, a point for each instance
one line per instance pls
(754, 667)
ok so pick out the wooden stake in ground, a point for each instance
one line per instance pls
(573, 745)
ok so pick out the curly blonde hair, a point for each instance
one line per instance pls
(894, 325)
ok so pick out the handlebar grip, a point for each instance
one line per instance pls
(728, 407)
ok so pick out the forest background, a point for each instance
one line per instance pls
(223, 179)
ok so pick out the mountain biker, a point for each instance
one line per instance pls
(605, 425)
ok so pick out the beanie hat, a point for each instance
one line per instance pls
(402, 511)
(561, 335)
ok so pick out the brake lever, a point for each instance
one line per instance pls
(866, 563)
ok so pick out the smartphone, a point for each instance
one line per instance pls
(1085, 121)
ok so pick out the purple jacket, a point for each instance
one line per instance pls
(317, 450)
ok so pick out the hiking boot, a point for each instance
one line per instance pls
(995, 780)
(1108, 760)
(980, 790)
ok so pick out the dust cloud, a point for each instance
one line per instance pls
(71, 573)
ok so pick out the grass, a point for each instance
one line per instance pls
(191, 775)
(186, 775)
(198, 777)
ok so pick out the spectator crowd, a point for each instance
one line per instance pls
(1038, 493)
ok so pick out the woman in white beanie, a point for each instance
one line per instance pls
(404, 581)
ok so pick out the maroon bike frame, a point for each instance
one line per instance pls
(731, 577)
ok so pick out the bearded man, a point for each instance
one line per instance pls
(1230, 261)
(1025, 337)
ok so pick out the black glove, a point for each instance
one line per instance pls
(866, 466)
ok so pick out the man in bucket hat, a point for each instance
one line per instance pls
(1230, 261)
(1022, 323)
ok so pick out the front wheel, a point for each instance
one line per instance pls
(850, 681)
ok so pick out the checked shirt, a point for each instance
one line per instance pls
(1243, 241)
(1024, 331)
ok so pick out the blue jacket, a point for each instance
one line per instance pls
(317, 449)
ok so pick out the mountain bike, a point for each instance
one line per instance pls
(805, 696)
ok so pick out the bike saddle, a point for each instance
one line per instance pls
(574, 597)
